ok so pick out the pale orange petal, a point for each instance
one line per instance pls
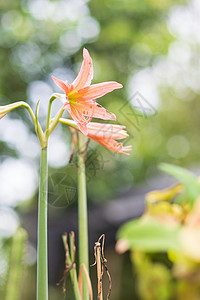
(110, 143)
(113, 131)
(78, 116)
(107, 134)
(87, 107)
(83, 128)
(67, 106)
(64, 85)
(85, 75)
(101, 113)
(92, 109)
(97, 90)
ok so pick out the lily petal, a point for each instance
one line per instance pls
(117, 132)
(92, 109)
(85, 75)
(64, 85)
(98, 111)
(110, 144)
(97, 90)
(78, 116)
(101, 113)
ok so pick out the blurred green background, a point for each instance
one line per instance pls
(151, 47)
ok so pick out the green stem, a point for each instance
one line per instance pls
(72, 272)
(54, 122)
(38, 128)
(42, 263)
(15, 265)
(30, 110)
(82, 212)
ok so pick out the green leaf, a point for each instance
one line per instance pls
(190, 182)
(149, 235)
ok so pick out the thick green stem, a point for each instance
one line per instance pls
(82, 212)
(42, 259)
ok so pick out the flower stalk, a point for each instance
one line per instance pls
(82, 212)
(42, 258)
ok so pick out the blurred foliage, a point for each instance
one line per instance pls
(149, 235)
(154, 279)
(172, 228)
(190, 182)
(11, 283)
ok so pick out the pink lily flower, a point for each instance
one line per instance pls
(104, 134)
(80, 96)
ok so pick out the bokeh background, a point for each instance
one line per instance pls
(152, 48)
